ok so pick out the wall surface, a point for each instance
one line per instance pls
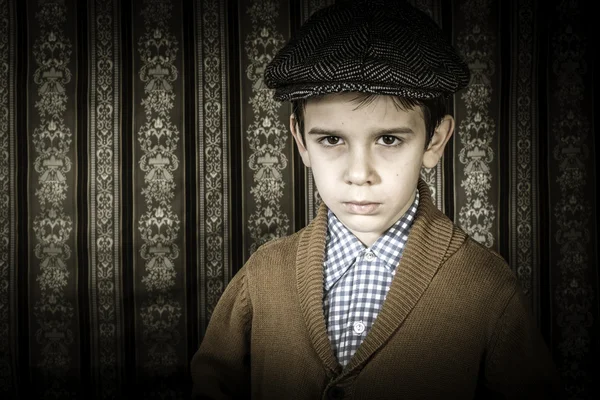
(142, 161)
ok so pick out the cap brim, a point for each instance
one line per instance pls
(304, 91)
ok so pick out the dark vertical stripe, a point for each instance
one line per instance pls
(190, 189)
(300, 181)
(29, 180)
(497, 112)
(127, 221)
(184, 197)
(536, 166)
(506, 24)
(236, 135)
(571, 185)
(22, 206)
(591, 33)
(543, 178)
(448, 160)
(9, 250)
(82, 134)
(299, 178)
(135, 186)
(589, 18)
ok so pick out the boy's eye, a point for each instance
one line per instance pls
(330, 140)
(389, 140)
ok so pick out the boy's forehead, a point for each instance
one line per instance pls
(348, 97)
(356, 101)
(377, 112)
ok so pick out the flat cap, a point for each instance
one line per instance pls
(373, 46)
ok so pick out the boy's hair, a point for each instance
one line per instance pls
(433, 110)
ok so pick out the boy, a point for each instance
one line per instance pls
(380, 296)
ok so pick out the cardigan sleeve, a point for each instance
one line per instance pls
(220, 368)
(518, 364)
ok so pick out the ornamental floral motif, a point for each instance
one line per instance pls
(212, 156)
(266, 135)
(104, 142)
(524, 155)
(52, 141)
(477, 129)
(158, 141)
(159, 225)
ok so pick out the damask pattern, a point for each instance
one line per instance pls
(54, 311)
(51, 341)
(105, 200)
(267, 135)
(161, 311)
(524, 157)
(476, 130)
(213, 170)
(573, 232)
(7, 201)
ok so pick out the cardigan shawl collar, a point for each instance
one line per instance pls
(432, 239)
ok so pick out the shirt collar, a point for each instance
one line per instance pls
(342, 247)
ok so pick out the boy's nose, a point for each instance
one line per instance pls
(360, 169)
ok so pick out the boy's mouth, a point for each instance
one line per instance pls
(361, 207)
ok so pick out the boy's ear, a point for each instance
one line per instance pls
(295, 129)
(437, 144)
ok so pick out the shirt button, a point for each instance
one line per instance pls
(359, 327)
(370, 256)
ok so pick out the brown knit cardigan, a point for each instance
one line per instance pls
(454, 325)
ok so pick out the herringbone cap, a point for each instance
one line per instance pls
(373, 46)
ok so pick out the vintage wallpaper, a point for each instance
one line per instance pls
(142, 161)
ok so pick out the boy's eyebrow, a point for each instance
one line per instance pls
(334, 132)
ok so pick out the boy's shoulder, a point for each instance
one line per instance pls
(274, 253)
(473, 259)
(463, 250)
(282, 243)
(483, 253)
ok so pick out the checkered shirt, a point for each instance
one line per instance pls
(357, 279)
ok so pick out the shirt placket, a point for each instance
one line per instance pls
(348, 332)
(358, 324)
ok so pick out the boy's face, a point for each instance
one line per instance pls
(366, 160)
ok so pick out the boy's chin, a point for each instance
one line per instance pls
(367, 224)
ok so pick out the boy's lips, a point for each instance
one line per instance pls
(361, 207)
